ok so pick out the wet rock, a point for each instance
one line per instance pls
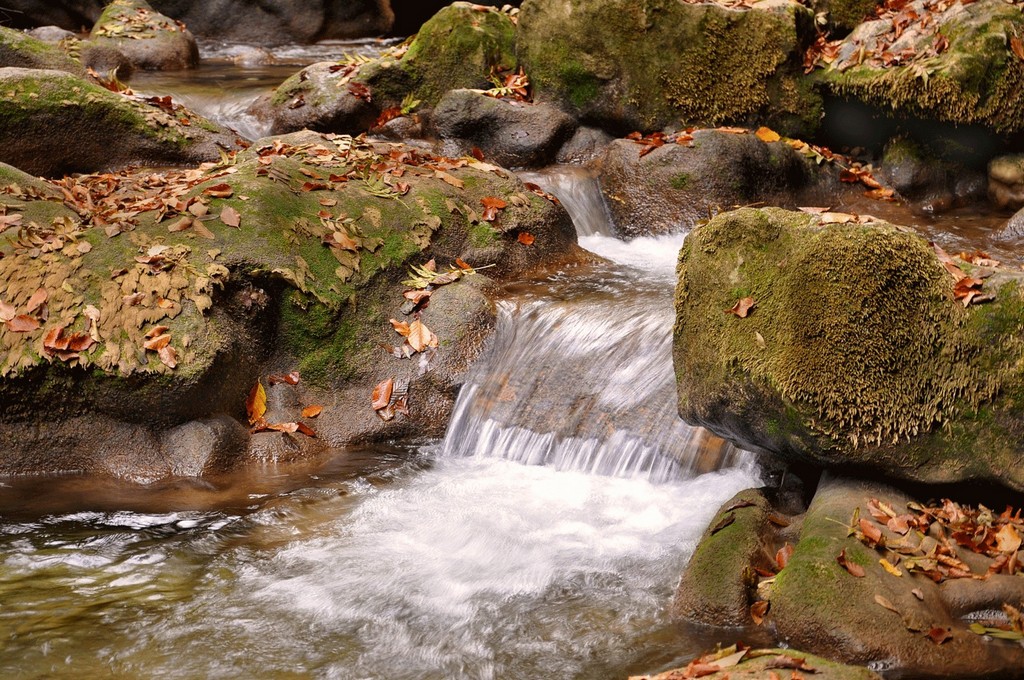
(973, 77)
(229, 297)
(934, 185)
(459, 47)
(510, 133)
(673, 187)
(585, 145)
(584, 57)
(21, 50)
(150, 40)
(1006, 181)
(878, 367)
(73, 15)
(205, 445)
(1013, 230)
(105, 59)
(53, 123)
(817, 605)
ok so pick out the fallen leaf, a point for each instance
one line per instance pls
(723, 523)
(382, 394)
(158, 343)
(526, 238)
(256, 404)
(454, 181)
(884, 602)
(420, 337)
(871, 532)
(312, 411)
(758, 610)
(742, 308)
(492, 204)
(767, 135)
(230, 217)
(23, 324)
(169, 356)
(7, 312)
(939, 635)
(222, 190)
(37, 300)
(889, 567)
(741, 504)
(306, 430)
(401, 327)
(852, 567)
(284, 378)
(1007, 539)
(783, 555)
(916, 592)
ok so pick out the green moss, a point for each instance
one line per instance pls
(681, 181)
(482, 235)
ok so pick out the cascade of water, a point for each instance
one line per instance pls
(580, 375)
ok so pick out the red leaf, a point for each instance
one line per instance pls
(940, 635)
(742, 308)
(526, 238)
(852, 567)
(222, 190)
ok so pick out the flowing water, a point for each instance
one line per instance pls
(542, 537)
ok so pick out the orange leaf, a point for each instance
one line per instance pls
(230, 217)
(420, 337)
(158, 343)
(758, 610)
(156, 330)
(222, 190)
(767, 135)
(382, 394)
(783, 555)
(23, 324)
(416, 296)
(1017, 47)
(872, 534)
(492, 204)
(526, 238)
(401, 327)
(256, 404)
(168, 356)
(742, 308)
(462, 265)
(312, 411)
(7, 312)
(852, 567)
(286, 378)
(306, 430)
(940, 635)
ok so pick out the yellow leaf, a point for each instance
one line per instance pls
(767, 135)
(889, 567)
(256, 404)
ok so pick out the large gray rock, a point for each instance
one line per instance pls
(23, 51)
(510, 133)
(150, 40)
(673, 187)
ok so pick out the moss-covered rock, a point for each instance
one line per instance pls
(842, 16)
(52, 123)
(673, 187)
(719, 583)
(856, 353)
(150, 40)
(955, 65)
(462, 46)
(23, 51)
(306, 281)
(817, 605)
(627, 64)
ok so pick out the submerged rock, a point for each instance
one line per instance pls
(955, 64)
(150, 40)
(510, 133)
(52, 123)
(158, 299)
(858, 351)
(671, 188)
(698, 63)
(462, 46)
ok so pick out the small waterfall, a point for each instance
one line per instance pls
(580, 376)
(579, 191)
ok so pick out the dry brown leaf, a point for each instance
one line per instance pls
(7, 312)
(36, 301)
(1007, 539)
(852, 567)
(940, 635)
(742, 308)
(284, 378)
(222, 190)
(401, 327)
(783, 555)
(420, 337)
(759, 610)
(158, 343)
(382, 394)
(884, 602)
(312, 411)
(169, 356)
(230, 217)
(23, 323)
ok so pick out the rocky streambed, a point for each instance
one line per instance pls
(201, 295)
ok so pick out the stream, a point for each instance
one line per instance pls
(543, 537)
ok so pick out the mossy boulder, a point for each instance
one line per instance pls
(856, 354)
(150, 40)
(285, 258)
(1006, 181)
(958, 67)
(673, 187)
(816, 604)
(842, 16)
(459, 47)
(52, 123)
(23, 51)
(631, 65)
